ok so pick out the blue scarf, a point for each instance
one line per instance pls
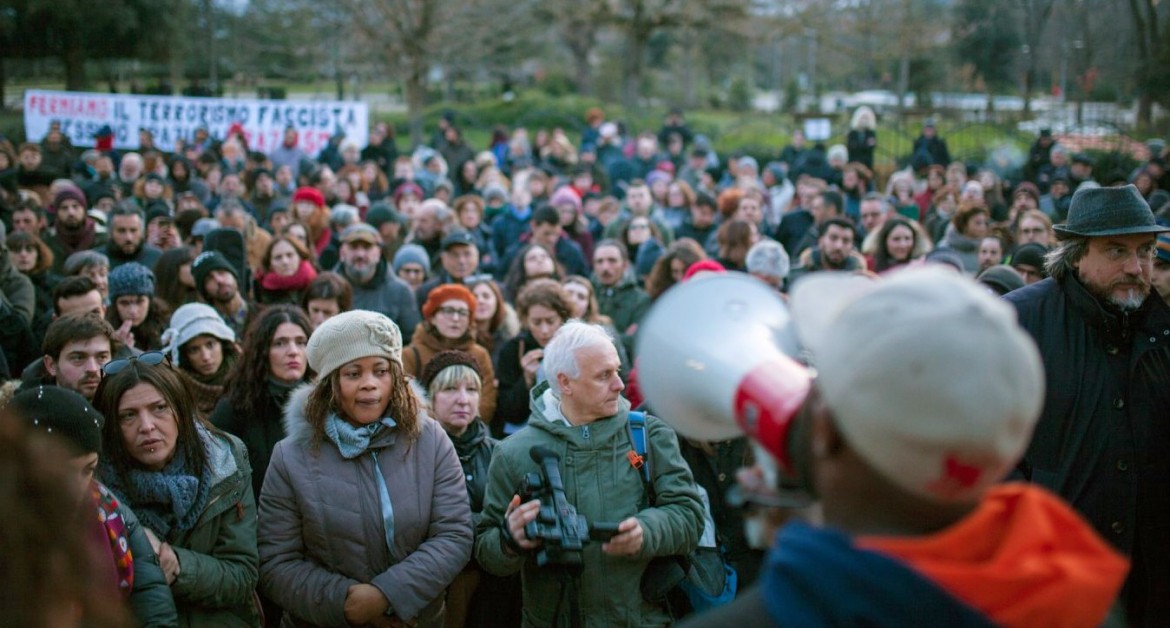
(170, 501)
(353, 441)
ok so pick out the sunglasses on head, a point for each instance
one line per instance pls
(152, 358)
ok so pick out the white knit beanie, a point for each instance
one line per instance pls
(351, 336)
(190, 321)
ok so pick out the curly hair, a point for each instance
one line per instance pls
(661, 278)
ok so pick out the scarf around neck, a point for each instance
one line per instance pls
(170, 501)
(76, 239)
(353, 441)
(299, 280)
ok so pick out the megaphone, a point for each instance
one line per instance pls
(715, 362)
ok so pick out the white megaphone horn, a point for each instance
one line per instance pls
(714, 361)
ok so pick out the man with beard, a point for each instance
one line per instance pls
(74, 230)
(374, 288)
(127, 237)
(834, 250)
(1105, 339)
(218, 284)
(618, 295)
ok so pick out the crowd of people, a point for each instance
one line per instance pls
(305, 389)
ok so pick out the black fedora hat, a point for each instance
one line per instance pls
(1108, 211)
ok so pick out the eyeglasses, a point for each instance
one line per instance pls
(454, 312)
(479, 278)
(152, 358)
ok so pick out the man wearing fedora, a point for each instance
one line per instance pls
(1104, 334)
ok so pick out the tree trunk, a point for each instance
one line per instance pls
(415, 99)
(73, 58)
(1145, 111)
(582, 71)
(634, 69)
(3, 84)
(1029, 77)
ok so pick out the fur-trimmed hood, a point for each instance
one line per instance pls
(296, 422)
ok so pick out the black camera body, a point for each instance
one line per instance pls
(563, 532)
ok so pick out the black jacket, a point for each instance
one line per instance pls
(1101, 441)
(474, 448)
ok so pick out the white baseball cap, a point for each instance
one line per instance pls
(930, 378)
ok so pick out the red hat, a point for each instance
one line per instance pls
(311, 195)
(707, 265)
(447, 292)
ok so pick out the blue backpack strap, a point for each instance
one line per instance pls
(636, 427)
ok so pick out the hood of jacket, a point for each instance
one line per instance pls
(958, 241)
(546, 415)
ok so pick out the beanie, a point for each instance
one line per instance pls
(1002, 279)
(351, 336)
(565, 195)
(69, 192)
(311, 195)
(1163, 250)
(131, 279)
(409, 187)
(380, 214)
(444, 359)
(1031, 254)
(191, 321)
(707, 265)
(945, 256)
(207, 262)
(62, 412)
(444, 293)
(412, 254)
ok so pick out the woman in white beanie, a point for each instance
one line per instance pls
(364, 516)
(203, 348)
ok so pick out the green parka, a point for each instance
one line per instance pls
(219, 562)
(602, 484)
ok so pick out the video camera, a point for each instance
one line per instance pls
(563, 532)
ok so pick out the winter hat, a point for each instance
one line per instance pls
(131, 279)
(945, 256)
(1164, 247)
(707, 265)
(207, 262)
(69, 192)
(1029, 188)
(412, 254)
(62, 412)
(444, 293)
(190, 321)
(972, 388)
(409, 187)
(204, 226)
(351, 336)
(565, 195)
(1031, 254)
(494, 190)
(657, 176)
(311, 195)
(380, 214)
(444, 360)
(1002, 279)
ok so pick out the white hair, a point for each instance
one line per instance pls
(560, 355)
(768, 258)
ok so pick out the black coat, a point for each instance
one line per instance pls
(259, 432)
(1101, 441)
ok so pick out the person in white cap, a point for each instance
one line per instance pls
(921, 395)
(1105, 337)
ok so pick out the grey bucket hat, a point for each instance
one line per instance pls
(1108, 211)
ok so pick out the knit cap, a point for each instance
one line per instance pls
(191, 321)
(351, 336)
(131, 279)
(310, 195)
(1164, 247)
(380, 214)
(69, 192)
(207, 262)
(412, 254)
(565, 195)
(444, 293)
(444, 360)
(61, 412)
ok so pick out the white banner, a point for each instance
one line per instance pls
(175, 118)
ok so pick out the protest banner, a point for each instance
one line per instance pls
(175, 118)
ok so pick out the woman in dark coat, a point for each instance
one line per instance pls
(272, 363)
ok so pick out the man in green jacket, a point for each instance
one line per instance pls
(580, 415)
(618, 295)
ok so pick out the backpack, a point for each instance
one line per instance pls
(683, 584)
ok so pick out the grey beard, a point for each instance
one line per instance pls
(361, 275)
(1131, 302)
